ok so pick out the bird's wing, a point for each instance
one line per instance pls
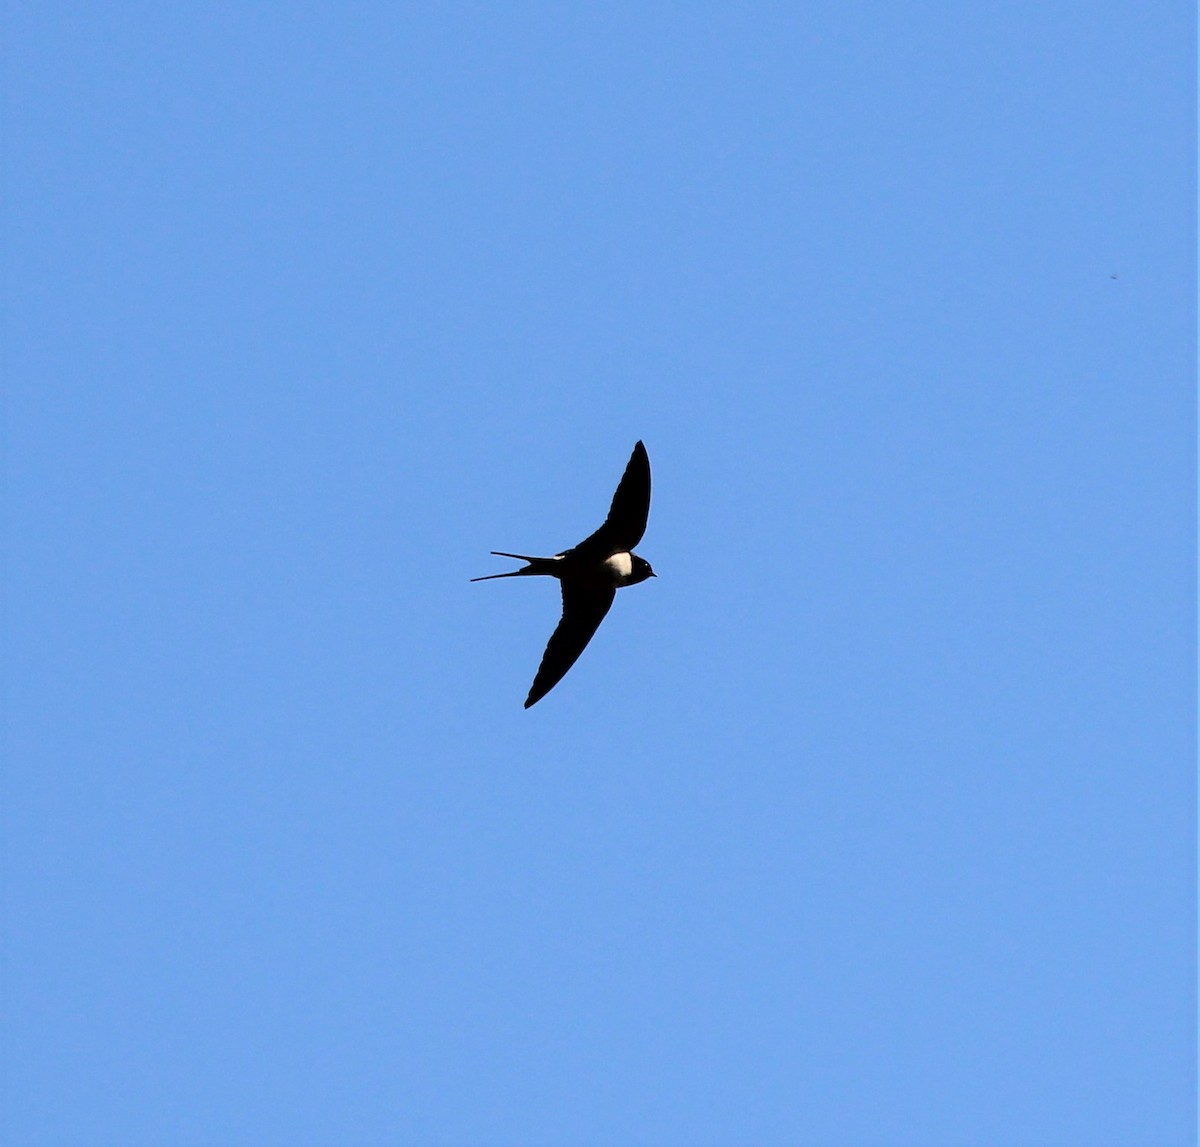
(626, 521)
(583, 611)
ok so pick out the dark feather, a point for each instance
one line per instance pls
(626, 521)
(583, 611)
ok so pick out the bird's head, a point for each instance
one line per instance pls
(641, 570)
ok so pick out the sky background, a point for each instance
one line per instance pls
(870, 823)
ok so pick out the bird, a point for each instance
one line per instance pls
(590, 573)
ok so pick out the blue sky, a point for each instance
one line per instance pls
(869, 823)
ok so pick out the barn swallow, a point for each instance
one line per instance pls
(590, 573)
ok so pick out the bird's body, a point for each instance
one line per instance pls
(591, 573)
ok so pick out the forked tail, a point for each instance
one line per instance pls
(535, 566)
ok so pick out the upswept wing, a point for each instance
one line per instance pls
(626, 521)
(583, 611)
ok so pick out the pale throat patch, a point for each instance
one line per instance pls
(621, 565)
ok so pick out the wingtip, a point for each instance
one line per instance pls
(536, 694)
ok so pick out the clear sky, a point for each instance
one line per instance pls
(870, 823)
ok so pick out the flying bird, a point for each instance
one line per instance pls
(590, 573)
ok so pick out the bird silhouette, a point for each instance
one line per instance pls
(590, 573)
